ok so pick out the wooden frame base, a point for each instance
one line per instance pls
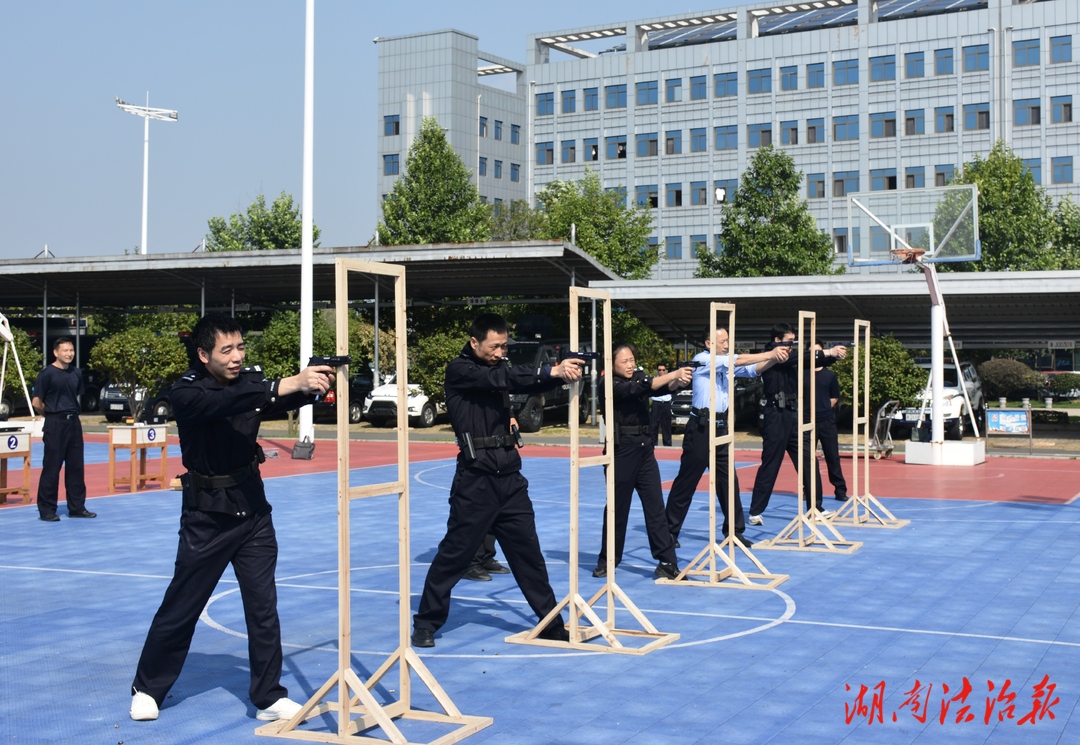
(804, 533)
(703, 572)
(874, 514)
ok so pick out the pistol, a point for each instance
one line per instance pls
(518, 441)
(338, 361)
(692, 363)
(581, 355)
(466, 444)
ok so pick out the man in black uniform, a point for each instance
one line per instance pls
(57, 394)
(660, 412)
(780, 423)
(489, 494)
(218, 407)
(828, 393)
(635, 461)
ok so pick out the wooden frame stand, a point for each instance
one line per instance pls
(862, 510)
(808, 530)
(356, 708)
(137, 439)
(585, 622)
(703, 570)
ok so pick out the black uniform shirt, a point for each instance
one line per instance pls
(828, 388)
(218, 426)
(478, 403)
(630, 403)
(59, 390)
(784, 376)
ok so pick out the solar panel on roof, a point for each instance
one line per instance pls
(681, 37)
(896, 9)
(805, 20)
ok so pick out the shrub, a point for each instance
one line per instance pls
(1005, 377)
(429, 359)
(1065, 385)
(893, 374)
(139, 360)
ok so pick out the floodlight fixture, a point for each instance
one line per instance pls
(147, 113)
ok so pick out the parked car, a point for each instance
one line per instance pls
(748, 393)
(13, 403)
(359, 387)
(530, 408)
(92, 384)
(954, 408)
(380, 406)
(116, 408)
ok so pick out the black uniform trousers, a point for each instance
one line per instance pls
(63, 442)
(695, 459)
(636, 468)
(209, 542)
(483, 503)
(780, 434)
(660, 421)
(830, 449)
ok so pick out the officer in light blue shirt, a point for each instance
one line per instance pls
(695, 453)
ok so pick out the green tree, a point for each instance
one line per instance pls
(436, 200)
(1016, 216)
(30, 360)
(894, 376)
(139, 362)
(362, 344)
(260, 228)
(108, 324)
(607, 228)
(1067, 248)
(517, 221)
(767, 229)
(430, 357)
(278, 350)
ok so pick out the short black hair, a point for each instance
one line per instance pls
(62, 340)
(719, 327)
(620, 346)
(204, 335)
(487, 323)
(780, 330)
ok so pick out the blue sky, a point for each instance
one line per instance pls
(71, 162)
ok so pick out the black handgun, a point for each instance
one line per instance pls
(581, 355)
(692, 363)
(792, 343)
(338, 361)
(517, 436)
(466, 444)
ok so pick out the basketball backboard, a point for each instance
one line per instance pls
(906, 225)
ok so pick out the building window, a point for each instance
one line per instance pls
(651, 246)
(391, 164)
(815, 186)
(789, 133)
(515, 134)
(648, 93)
(718, 243)
(699, 193)
(882, 179)
(673, 142)
(815, 131)
(840, 240)
(759, 81)
(569, 102)
(913, 64)
(943, 119)
(789, 78)
(915, 177)
(726, 84)
(515, 172)
(1034, 167)
(482, 166)
(592, 99)
(648, 144)
(846, 72)
(545, 104)
(697, 87)
(759, 135)
(914, 122)
(592, 149)
(845, 128)
(724, 190)
(883, 124)
(883, 68)
(1027, 112)
(1026, 53)
(615, 147)
(699, 244)
(674, 195)
(815, 75)
(727, 137)
(699, 140)
(943, 62)
(1061, 109)
(845, 182)
(498, 169)
(569, 151)
(943, 174)
(1061, 170)
(391, 125)
(498, 130)
(673, 90)
(976, 116)
(976, 58)
(483, 126)
(615, 96)
(674, 246)
(648, 195)
(620, 191)
(545, 153)
(1060, 49)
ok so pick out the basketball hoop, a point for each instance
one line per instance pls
(908, 255)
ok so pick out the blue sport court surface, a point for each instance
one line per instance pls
(960, 628)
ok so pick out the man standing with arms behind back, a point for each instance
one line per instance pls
(57, 393)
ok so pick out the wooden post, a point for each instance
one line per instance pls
(585, 623)
(356, 708)
(703, 569)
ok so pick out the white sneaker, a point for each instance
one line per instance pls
(143, 707)
(827, 514)
(756, 520)
(283, 708)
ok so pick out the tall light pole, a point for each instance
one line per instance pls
(307, 240)
(147, 113)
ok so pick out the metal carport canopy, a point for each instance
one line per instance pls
(271, 278)
(985, 309)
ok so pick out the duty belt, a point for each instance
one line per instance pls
(61, 416)
(496, 441)
(703, 417)
(642, 430)
(228, 480)
(783, 401)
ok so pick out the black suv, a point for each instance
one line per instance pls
(529, 408)
(748, 391)
(361, 384)
(114, 405)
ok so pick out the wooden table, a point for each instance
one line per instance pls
(137, 439)
(15, 445)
